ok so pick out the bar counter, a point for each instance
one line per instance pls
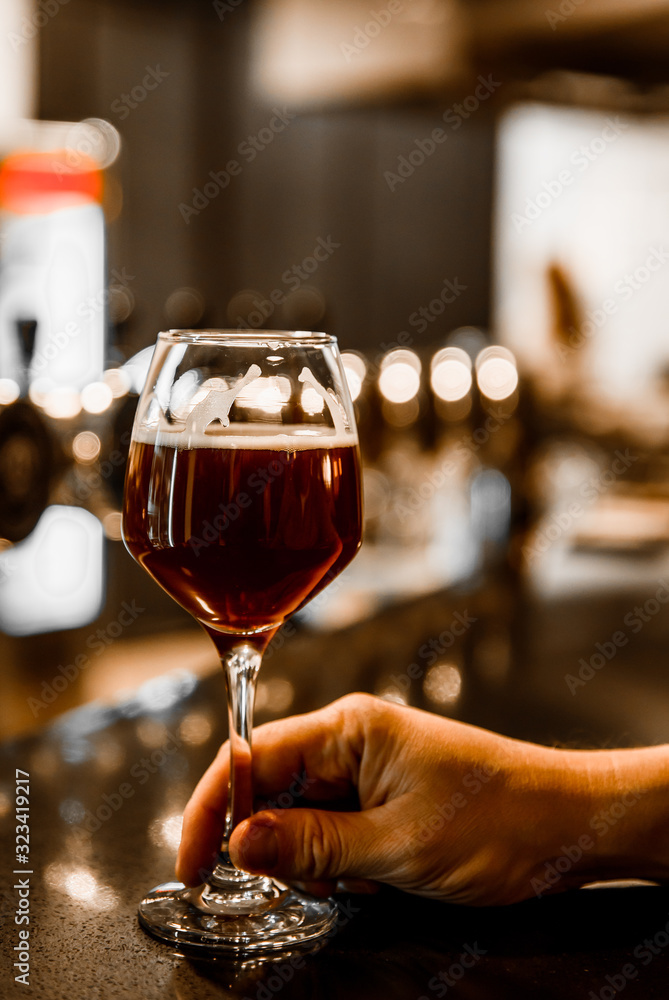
(107, 785)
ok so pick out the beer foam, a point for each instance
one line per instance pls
(277, 437)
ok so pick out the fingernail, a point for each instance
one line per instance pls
(260, 850)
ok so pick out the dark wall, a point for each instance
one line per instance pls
(321, 177)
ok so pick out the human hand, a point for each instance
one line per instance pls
(446, 810)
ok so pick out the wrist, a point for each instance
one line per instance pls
(612, 817)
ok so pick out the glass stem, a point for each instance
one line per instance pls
(231, 893)
(241, 667)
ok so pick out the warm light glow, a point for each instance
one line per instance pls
(399, 380)
(191, 377)
(113, 525)
(86, 447)
(109, 755)
(184, 307)
(38, 390)
(443, 683)
(195, 729)
(269, 393)
(451, 374)
(166, 831)
(62, 404)
(151, 733)
(355, 368)
(312, 401)
(96, 137)
(45, 762)
(496, 372)
(392, 693)
(400, 414)
(458, 410)
(96, 397)
(118, 380)
(275, 695)
(9, 391)
(79, 883)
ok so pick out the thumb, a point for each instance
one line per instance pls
(310, 845)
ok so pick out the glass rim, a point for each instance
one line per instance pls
(297, 338)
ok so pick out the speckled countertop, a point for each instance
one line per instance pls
(107, 787)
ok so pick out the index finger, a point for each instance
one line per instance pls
(314, 757)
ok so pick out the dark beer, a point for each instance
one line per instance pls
(240, 530)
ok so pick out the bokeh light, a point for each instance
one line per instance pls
(269, 393)
(165, 831)
(451, 374)
(399, 380)
(118, 380)
(62, 403)
(496, 372)
(86, 447)
(80, 884)
(196, 728)
(96, 397)
(275, 695)
(443, 683)
(9, 391)
(355, 368)
(112, 522)
(312, 401)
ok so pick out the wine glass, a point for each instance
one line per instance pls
(242, 500)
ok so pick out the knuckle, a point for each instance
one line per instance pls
(321, 847)
(359, 702)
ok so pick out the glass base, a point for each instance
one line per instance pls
(205, 920)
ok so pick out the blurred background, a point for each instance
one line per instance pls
(474, 198)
